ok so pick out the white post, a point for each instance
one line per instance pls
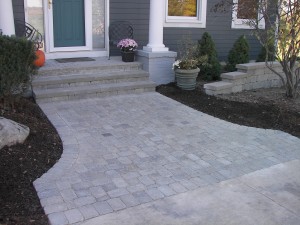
(156, 27)
(7, 24)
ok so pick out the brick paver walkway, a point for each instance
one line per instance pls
(124, 151)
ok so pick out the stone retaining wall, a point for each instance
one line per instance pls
(248, 76)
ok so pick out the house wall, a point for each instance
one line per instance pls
(18, 8)
(218, 25)
(19, 14)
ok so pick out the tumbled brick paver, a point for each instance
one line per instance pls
(74, 216)
(88, 211)
(103, 207)
(58, 219)
(116, 204)
(124, 151)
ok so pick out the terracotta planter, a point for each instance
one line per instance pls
(186, 79)
(127, 56)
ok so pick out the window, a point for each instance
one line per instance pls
(186, 13)
(244, 11)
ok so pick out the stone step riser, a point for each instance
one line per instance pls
(103, 94)
(91, 70)
(74, 83)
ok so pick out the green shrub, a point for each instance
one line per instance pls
(263, 53)
(16, 66)
(239, 54)
(212, 69)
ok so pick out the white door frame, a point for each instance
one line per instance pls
(68, 52)
(49, 34)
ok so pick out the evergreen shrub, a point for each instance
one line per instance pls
(212, 69)
(17, 56)
(239, 54)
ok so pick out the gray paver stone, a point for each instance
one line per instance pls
(68, 194)
(179, 188)
(51, 200)
(116, 204)
(58, 219)
(97, 192)
(142, 196)
(103, 207)
(74, 216)
(117, 192)
(55, 208)
(154, 193)
(166, 190)
(84, 201)
(88, 211)
(129, 200)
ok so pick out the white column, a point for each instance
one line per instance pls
(7, 24)
(156, 27)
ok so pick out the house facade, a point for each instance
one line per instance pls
(80, 27)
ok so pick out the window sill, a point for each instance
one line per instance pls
(185, 24)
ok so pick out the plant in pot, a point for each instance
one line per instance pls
(186, 68)
(127, 47)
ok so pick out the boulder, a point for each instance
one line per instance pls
(12, 132)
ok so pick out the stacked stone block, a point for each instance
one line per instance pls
(248, 76)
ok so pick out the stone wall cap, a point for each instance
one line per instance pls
(255, 65)
(234, 75)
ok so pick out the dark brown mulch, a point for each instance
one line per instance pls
(21, 164)
(260, 112)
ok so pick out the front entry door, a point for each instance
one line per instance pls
(68, 23)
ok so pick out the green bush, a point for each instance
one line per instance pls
(239, 54)
(16, 65)
(263, 53)
(212, 69)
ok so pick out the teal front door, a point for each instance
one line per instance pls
(68, 23)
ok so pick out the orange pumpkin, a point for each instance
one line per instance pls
(40, 58)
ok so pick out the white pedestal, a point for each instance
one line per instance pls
(158, 64)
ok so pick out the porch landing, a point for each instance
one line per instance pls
(80, 80)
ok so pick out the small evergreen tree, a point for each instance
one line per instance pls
(238, 54)
(17, 57)
(267, 54)
(212, 69)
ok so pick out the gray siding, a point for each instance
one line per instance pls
(218, 25)
(137, 13)
(18, 8)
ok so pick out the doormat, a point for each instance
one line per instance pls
(81, 59)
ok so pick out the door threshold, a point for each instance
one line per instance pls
(62, 55)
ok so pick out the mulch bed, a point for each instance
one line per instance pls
(20, 165)
(244, 108)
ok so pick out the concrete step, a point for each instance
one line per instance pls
(86, 68)
(219, 87)
(90, 91)
(102, 77)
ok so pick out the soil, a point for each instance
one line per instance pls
(263, 108)
(21, 164)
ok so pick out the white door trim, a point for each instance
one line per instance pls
(49, 29)
(67, 53)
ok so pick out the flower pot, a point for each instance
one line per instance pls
(186, 79)
(127, 56)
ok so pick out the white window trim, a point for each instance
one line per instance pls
(190, 22)
(243, 23)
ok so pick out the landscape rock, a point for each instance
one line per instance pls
(12, 132)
